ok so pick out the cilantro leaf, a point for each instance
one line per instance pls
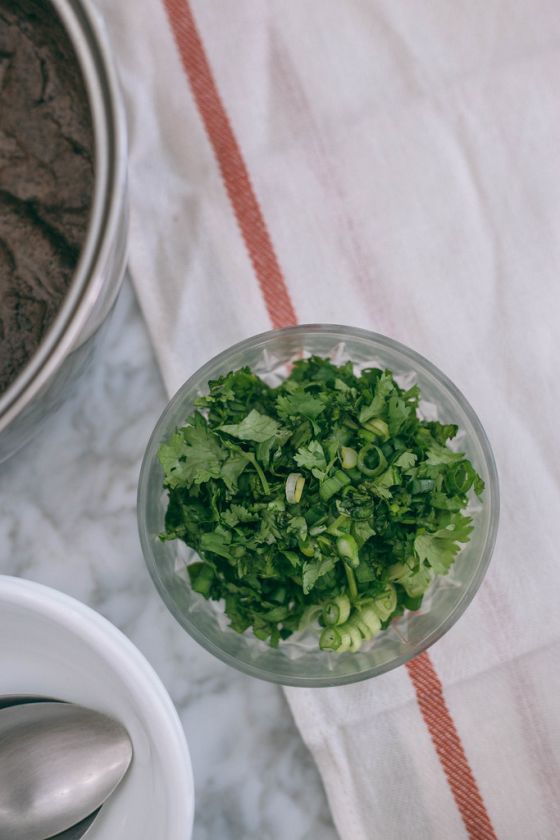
(216, 543)
(478, 486)
(312, 457)
(406, 460)
(362, 531)
(232, 469)
(441, 547)
(297, 525)
(236, 514)
(299, 402)
(272, 446)
(170, 452)
(441, 501)
(191, 456)
(438, 454)
(380, 486)
(384, 387)
(255, 426)
(313, 570)
(398, 413)
(441, 432)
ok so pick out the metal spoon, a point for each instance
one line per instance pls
(58, 763)
(79, 831)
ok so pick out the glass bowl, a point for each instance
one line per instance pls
(298, 661)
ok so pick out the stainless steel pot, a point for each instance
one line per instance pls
(67, 348)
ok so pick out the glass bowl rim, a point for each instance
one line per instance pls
(417, 360)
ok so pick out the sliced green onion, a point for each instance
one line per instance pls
(365, 632)
(362, 625)
(347, 548)
(422, 485)
(371, 620)
(413, 604)
(330, 639)
(333, 485)
(306, 548)
(378, 427)
(356, 640)
(324, 542)
(294, 488)
(310, 614)
(385, 604)
(459, 478)
(365, 622)
(337, 611)
(348, 457)
(341, 525)
(316, 530)
(351, 578)
(293, 558)
(397, 571)
(371, 460)
(350, 638)
(354, 474)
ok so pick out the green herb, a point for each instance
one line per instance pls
(255, 426)
(324, 501)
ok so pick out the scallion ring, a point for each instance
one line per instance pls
(459, 478)
(294, 488)
(371, 460)
(378, 427)
(337, 611)
(348, 457)
(347, 548)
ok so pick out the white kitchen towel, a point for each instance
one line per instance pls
(391, 165)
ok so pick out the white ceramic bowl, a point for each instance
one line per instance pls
(53, 645)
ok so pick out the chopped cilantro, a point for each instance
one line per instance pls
(326, 500)
(313, 458)
(255, 426)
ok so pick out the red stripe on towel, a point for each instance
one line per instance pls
(232, 166)
(429, 693)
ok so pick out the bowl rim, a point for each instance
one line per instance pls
(128, 663)
(86, 32)
(417, 360)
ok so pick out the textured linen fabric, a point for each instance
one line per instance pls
(405, 160)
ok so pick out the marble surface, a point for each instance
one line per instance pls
(69, 521)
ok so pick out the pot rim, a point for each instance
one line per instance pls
(87, 35)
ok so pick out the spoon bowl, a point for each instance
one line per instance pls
(58, 763)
